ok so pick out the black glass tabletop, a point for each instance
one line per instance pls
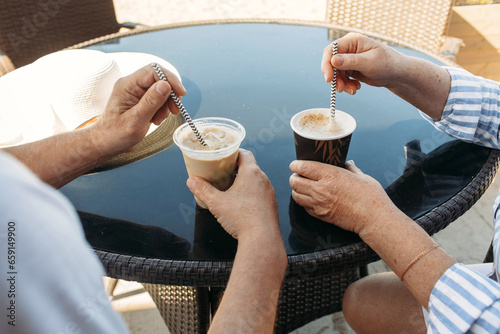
(261, 75)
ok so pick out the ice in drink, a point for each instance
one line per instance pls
(217, 161)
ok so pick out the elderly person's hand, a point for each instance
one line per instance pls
(346, 197)
(248, 211)
(360, 59)
(249, 206)
(137, 101)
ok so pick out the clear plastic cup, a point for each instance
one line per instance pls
(218, 166)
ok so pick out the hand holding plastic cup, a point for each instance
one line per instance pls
(318, 138)
(217, 161)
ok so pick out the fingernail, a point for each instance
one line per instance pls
(350, 91)
(183, 91)
(350, 162)
(191, 183)
(338, 60)
(162, 88)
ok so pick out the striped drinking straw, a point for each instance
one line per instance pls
(180, 105)
(333, 84)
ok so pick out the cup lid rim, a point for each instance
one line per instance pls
(301, 133)
(217, 120)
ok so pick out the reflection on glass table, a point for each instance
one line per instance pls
(260, 74)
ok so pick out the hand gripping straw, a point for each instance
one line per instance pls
(180, 105)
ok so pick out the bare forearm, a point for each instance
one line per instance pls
(398, 241)
(250, 299)
(423, 84)
(395, 237)
(59, 159)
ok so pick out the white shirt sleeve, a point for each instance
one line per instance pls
(51, 279)
(472, 111)
(464, 301)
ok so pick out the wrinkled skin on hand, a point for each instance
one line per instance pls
(360, 59)
(137, 101)
(346, 197)
(248, 207)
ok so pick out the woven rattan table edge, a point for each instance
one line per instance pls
(441, 216)
(321, 262)
(157, 271)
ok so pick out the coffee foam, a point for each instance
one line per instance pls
(216, 138)
(234, 132)
(317, 124)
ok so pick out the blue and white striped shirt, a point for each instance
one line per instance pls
(464, 301)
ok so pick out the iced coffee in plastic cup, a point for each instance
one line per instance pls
(318, 138)
(217, 161)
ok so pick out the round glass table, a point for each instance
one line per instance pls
(143, 222)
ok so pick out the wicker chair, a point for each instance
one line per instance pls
(30, 29)
(420, 22)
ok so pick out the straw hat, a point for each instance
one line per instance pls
(61, 91)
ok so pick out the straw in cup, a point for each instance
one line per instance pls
(180, 105)
(333, 84)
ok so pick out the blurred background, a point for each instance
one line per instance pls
(473, 21)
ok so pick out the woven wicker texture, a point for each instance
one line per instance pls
(160, 139)
(420, 22)
(440, 217)
(184, 309)
(304, 300)
(30, 29)
(315, 282)
(188, 309)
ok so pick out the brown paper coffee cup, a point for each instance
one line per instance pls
(318, 140)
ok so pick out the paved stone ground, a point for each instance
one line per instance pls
(467, 239)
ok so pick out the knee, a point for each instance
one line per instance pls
(351, 305)
(358, 306)
(377, 303)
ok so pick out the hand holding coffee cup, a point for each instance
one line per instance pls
(217, 161)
